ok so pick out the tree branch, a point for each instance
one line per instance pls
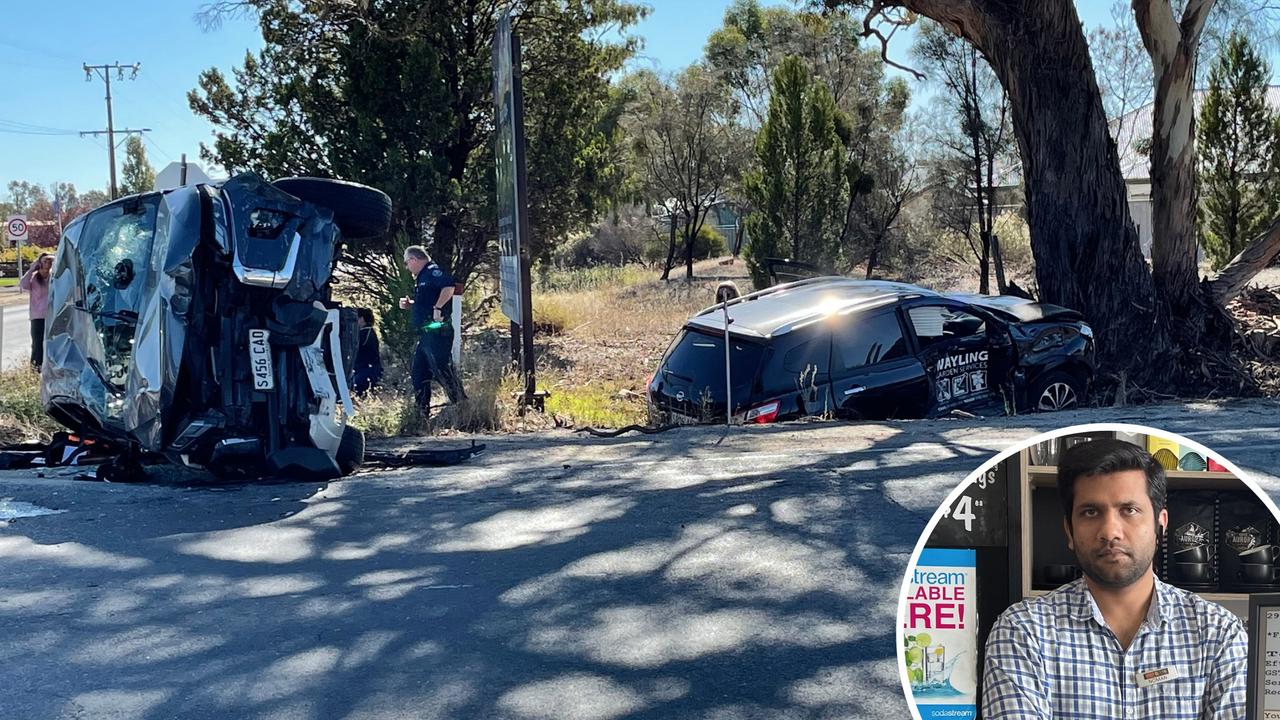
(1194, 18)
(1159, 29)
(1243, 267)
(868, 30)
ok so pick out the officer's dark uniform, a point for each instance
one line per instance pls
(433, 358)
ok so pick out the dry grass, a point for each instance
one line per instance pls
(22, 417)
(390, 410)
(599, 333)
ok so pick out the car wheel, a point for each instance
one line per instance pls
(350, 450)
(358, 210)
(1057, 390)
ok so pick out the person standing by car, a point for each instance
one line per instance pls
(368, 370)
(432, 306)
(36, 282)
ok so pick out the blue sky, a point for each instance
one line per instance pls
(47, 41)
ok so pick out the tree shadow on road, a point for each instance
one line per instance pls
(642, 577)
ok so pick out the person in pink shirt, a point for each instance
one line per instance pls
(36, 282)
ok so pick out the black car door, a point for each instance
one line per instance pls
(966, 354)
(798, 372)
(874, 374)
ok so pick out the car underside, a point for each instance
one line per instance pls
(198, 324)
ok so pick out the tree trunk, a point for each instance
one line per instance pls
(984, 263)
(997, 260)
(1172, 45)
(690, 235)
(671, 251)
(1173, 184)
(1086, 249)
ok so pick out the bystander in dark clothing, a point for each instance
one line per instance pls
(368, 369)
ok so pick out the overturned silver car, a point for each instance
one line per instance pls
(198, 324)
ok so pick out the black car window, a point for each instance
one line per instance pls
(698, 358)
(934, 324)
(870, 340)
(809, 356)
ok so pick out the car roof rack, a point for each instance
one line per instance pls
(875, 293)
(772, 290)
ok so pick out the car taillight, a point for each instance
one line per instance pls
(765, 413)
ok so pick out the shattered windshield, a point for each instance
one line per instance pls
(115, 251)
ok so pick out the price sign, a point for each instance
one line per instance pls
(979, 517)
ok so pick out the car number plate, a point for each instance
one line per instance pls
(260, 360)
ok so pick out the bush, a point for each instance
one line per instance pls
(709, 243)
(1015, 243)
(29, 254)
(620, 238)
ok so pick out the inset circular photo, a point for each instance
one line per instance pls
(1108, 571)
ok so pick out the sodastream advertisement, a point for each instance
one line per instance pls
(940, 635)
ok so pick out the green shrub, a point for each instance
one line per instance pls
(708, 244)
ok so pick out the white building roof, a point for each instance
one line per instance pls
(1133, 129)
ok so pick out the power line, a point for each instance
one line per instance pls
(43, 133)
(28, 129)
(157, 147)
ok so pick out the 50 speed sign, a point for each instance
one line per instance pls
(16, 226)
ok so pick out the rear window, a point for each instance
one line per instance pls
(698, 357)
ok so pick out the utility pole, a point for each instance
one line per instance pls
(104, 72)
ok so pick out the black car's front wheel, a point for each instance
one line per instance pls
(1057, 390)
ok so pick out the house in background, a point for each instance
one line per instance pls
(1132, 134)
(726, 216)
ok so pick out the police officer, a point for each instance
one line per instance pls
(432, 305)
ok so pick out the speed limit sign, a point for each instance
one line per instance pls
(16, 225)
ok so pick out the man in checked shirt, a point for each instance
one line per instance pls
(1118, 643)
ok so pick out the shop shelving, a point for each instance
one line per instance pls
(1034, 477)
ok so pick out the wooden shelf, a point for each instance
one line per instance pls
(1047, 476)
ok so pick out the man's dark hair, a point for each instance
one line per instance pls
(365, 314)
(1103, 457)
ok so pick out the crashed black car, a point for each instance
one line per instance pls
(832, 346)
(197, 324)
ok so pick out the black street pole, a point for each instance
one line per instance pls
(526, 279)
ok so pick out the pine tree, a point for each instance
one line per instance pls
(137, 175)
(1238, 142)
(798, 188)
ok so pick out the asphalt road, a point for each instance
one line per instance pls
(683, 575)
(15, 343)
